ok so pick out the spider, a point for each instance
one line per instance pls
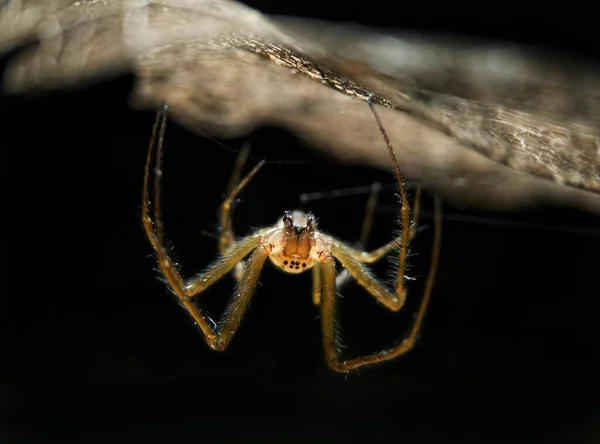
(294, 245)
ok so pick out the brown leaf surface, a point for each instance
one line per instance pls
(491, 126)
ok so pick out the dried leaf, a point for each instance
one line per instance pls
(485, 125)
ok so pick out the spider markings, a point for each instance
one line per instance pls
(294, 245)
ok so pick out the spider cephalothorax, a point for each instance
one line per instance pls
(295, 245)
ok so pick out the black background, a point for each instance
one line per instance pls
(98, 351)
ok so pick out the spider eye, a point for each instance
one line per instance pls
(285, 262)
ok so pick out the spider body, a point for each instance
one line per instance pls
(294, 245)
(295, 241)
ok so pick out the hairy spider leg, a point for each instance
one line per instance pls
(376, 255)
(352, 261)
(218, 336)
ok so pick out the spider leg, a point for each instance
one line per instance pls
(216, 338)
(227, 236)
(239, 302)
(404, 207)
(350, 259)
(370, 257)
(317, 278)
(365, 278)
(415, 213)
(353, 259)
(328, 310)
(328, 321)
(369, 212)
(344, 277)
